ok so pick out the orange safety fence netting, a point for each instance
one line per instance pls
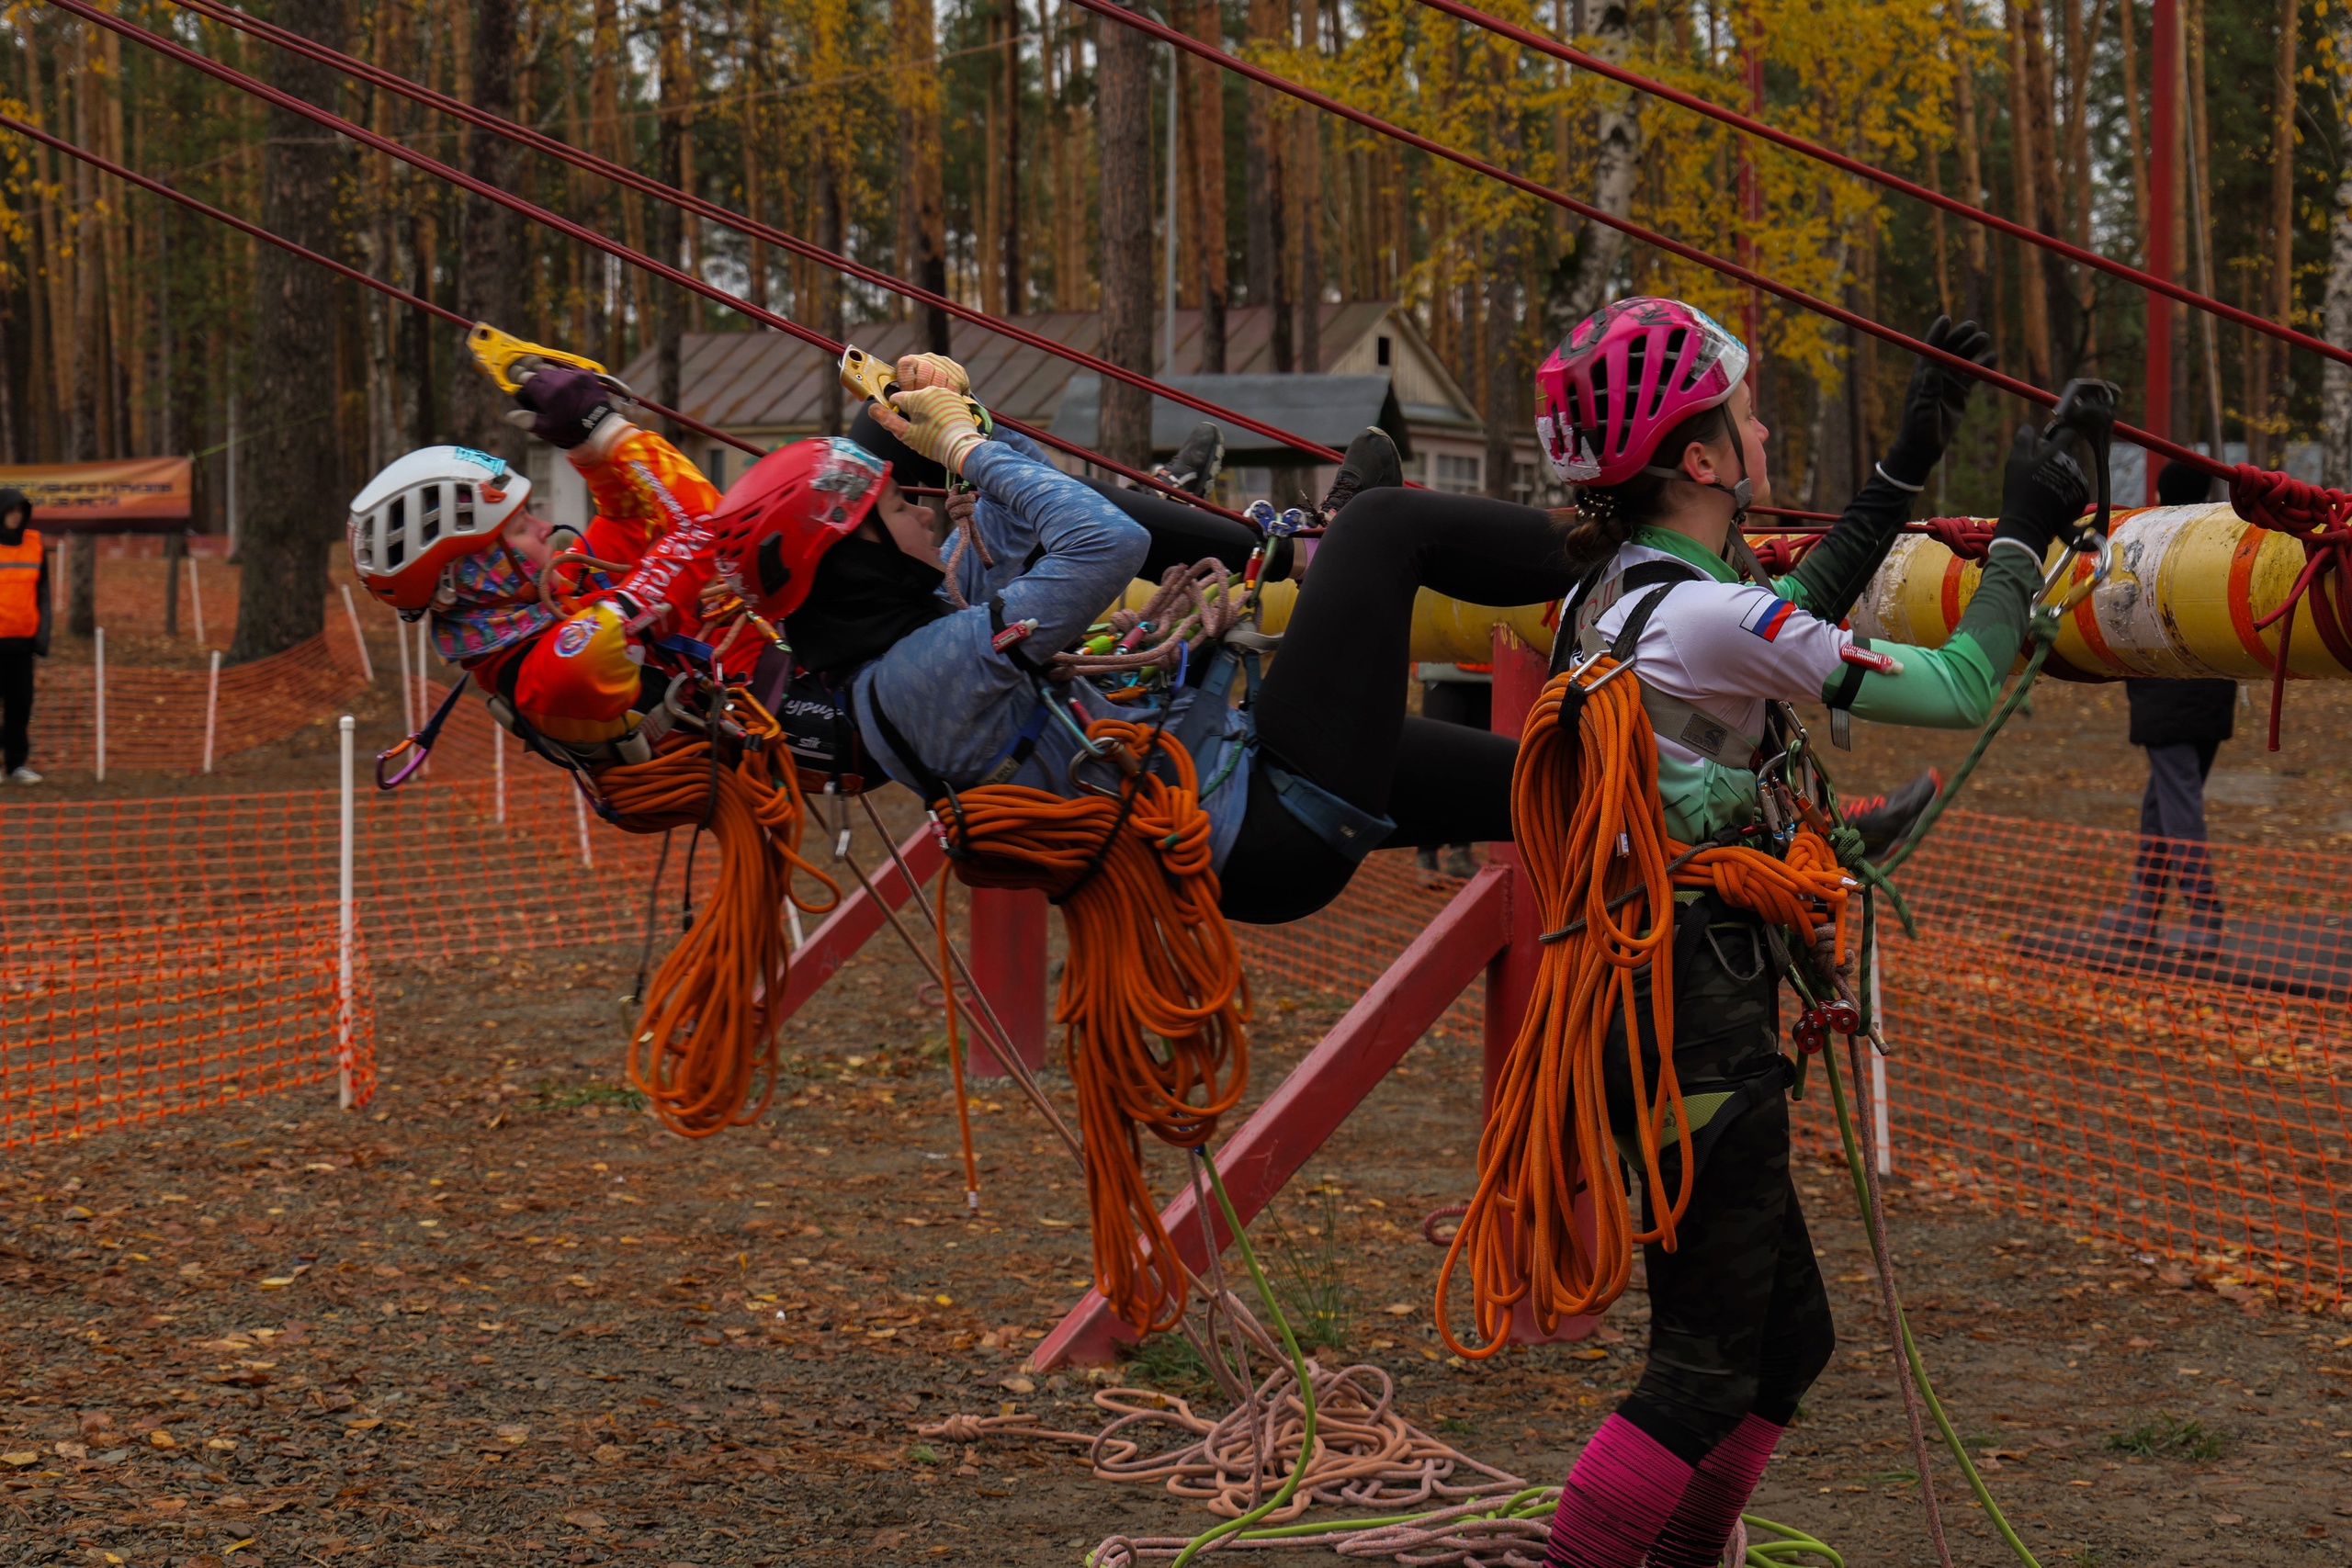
(107, 1029)
(156, 717)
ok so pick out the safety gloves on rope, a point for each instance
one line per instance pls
(2044, 490)
(1937, 400)
(917, 371)
(938, 422)
(561, 406)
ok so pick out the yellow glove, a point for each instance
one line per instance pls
(937, 423)
(917, 371)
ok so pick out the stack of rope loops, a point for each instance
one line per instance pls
(1591, 831)
(1194, 606)
(703, 1052)
(1150, 955)
(2321, 520)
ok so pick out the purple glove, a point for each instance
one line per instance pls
(565, 405)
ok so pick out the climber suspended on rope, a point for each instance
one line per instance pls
(1645, 409)
(563, 631)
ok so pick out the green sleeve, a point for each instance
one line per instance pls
(1952, 687)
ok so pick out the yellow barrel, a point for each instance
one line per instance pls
(2187, 585)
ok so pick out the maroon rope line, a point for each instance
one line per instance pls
(1894, 182)
(341, 269)
(562, 225)
(1651, 237)
(686, 200)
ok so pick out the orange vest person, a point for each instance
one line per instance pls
(24, 630)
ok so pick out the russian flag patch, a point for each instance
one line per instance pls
(1767, 619)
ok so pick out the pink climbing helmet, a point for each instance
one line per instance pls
(1627, 374)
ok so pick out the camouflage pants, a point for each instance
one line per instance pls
(1739, 1322)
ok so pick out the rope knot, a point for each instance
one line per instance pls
(2319, 519)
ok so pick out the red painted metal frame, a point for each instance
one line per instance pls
(1009, 931)
(836, 941)
(1489, 929)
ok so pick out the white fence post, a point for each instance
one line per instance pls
(1881, 1123)
(498, 767)
(211, 709)
(345, 925)
(580, 809)
(408, 687)
(358, 639)
(98, 694)
(196, 598)
(424, 685)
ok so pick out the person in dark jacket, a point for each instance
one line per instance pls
(24, 630)
(2181, 723)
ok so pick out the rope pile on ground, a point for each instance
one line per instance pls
(703, 1052)
(1605, 871)
(1150, 955)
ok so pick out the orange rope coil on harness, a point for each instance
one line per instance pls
(704, 1050)
(1150, 955)
(1590, 828)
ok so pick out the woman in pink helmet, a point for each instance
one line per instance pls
(1646, 411)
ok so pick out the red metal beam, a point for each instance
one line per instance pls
(1008, 932)
(833, 943)
(1308, 1106)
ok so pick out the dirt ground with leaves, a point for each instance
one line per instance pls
(498, 1316)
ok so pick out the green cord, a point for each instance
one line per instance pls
(1210, 1537)
(2043, 630)
(1910, 1345)
(1792, 1543)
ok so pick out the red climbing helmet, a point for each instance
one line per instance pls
(774, 524)
(1628, 373)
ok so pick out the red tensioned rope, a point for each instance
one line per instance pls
(565, 225)
(687, 200)
(21, 128)
(2320, 519)
(1836, 159)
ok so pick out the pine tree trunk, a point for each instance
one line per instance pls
(2281, 303)
(924, 224)
(669, 154)
(1616, 170)
(291, 522)
(489, 250)
(1267, 207)
(1016, 292)
(2336, 379)
(1203, 154)
(1123, 108)
(2033, 299)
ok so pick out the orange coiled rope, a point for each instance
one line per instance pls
(1150, 955)
(1590, 826)
(703, 1052)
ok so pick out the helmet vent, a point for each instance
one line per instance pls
(1676, 341)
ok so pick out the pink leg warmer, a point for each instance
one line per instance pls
(1620, 1495)
(1718, 1491)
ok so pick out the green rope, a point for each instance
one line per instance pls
(1211, 1536)
(1790, 1545)
(1878, 1249)
(2042, 627)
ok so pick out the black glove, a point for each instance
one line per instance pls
(1937, 398)
(2044, 490)
(562, 405)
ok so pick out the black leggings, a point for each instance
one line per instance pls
(1739, 1322)
(1332, 707)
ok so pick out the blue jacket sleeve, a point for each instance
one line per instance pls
(949, 692)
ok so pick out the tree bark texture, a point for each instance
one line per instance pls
(922, 232)
(1123, 108)
(2336, 323)
(1200, 152)
(669, 156)
(294, 513)
(489, 251)
(1616, 168)
(1268, 210)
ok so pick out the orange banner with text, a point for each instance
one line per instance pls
(136, 495)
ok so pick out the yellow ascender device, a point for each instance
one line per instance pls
(874, 379)
(501, 356)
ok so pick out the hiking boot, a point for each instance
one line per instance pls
(1884, 820)
(1372, 464)
(1194, 468)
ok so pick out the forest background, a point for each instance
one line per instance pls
(1013, 154)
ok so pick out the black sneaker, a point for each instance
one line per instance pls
(1372, 463)
(1197, 463)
